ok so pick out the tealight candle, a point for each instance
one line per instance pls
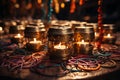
(59, 46)
(60, 52)
(17, 38)
(34, 45)
(110, 39)
(82, 47)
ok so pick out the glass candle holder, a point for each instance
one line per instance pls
(96, 30)
(17, 29)
(33, 38)
(109, 36)
(18, 39)
(109, 39)
(60, 43)
(34, 45)
(82, 47)
(83, 40)
(84, 33)
(108, 29)
(32, 31)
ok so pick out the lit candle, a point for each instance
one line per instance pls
(34, 45)
(17, 38)
(59, 46)
(60, 52)
(82, 48)
(109, 36)
(83, 43)
(35, 41)
(109, 39)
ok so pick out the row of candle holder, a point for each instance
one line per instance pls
(63, 40)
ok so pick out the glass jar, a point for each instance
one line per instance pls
(109, 36)
(60, 43)
(17, 34)
(33, 38)
(83, 38)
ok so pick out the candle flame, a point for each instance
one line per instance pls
(108, 35)
(35, 40)
(1, 29)
(95, 33)
(82, 41)
(59, 45)
(18, 35)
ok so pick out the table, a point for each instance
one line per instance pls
(100, 74)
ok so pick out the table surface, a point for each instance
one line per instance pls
(84, 75)
(28, 75)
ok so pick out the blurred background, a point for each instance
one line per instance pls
(38, 9)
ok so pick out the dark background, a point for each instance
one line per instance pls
(111, 10)
(86, 12)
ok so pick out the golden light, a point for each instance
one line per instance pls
(39, 1)
(62, 5)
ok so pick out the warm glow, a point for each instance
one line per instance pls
(17, 5)
(108, 35)
(39, 1)
(95, 33)
(18, 35)
(82, 41)
(62, 5)
(34, 39)
(1, 29)
(60, 46)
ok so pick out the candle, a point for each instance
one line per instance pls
(110, 39)
(82, 48)
(17, 38)
(34, 45)
(109, 36)
(60, 52)
(59, 46)
(35, 41)
(83, 43)
(1, 31)
(96, 35)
